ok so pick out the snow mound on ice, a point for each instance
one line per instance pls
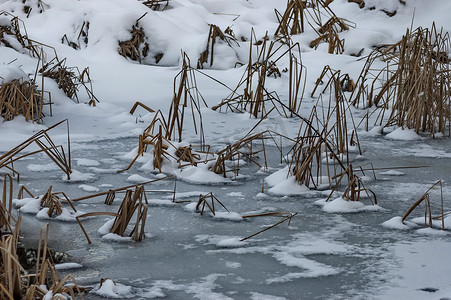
(403, 135)
(396, 223)
(77, 176)
(341, 205)
(111, 289)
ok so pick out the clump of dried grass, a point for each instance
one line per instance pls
(46, 278)
(215, 32)
(329, 33)
(132, 204)
(53, 201)
(245, 148)
(416, 85)
(312, 146)
(21, 97)
(11, 36)
(338, 87)
(291, 22)
(162, 131)
(137, 48)
(15, 282)
(69, 79)
(355, 187)
(34, 5)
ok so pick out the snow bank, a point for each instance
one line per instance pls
(10, 73)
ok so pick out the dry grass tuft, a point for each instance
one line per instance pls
(15, 282)
(354, 188)
(162, 131)
(34, 5)
(215, 32)
(137, 47)
(19, 97)
(297, 12)
(53, 201)
(46, 278)
(132, 204)
(69, 79)
(11, 36)
(82, 38)
(415, 88)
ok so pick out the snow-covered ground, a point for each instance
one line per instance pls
(331, 249)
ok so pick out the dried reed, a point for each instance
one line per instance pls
(252, 97)
(53, 201)
(159, 5)
(215, 33)
(42, 139)
(285, 216)
(133, 202)
(311, 11)
(203, 201)
(46, 277)
(13, 31)
(19, 97)
(307, 154)
(416, 86)
(428, 218)
(82, 37)
(137, 47)
(10, 268)
(354, 188)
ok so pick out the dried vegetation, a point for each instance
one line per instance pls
(46, 145)
(21, 96)
(251, 95)
(299, 12)
(426, 199)
(413, 90)
(15, 281)
(214, 33)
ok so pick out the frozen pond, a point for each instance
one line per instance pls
(319, 255)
